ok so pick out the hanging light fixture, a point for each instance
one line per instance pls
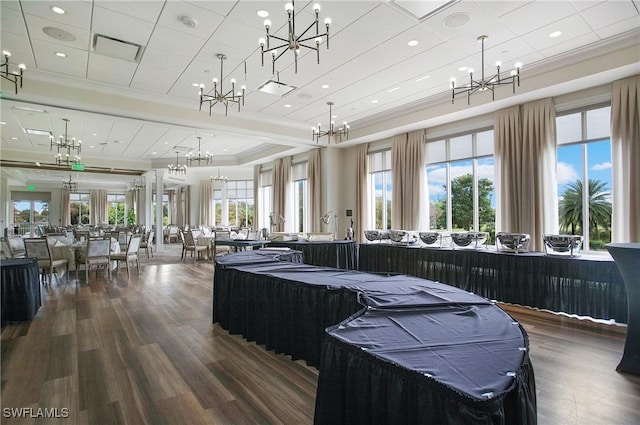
(138, 185)
(69, 144)
(177, 169)
(206, 158)
(218, 178)
(294, 42)
(332, 133)
(14, 77)
(489, 83)
(70, 185)
(219, 95)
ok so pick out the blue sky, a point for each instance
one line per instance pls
(570, 166)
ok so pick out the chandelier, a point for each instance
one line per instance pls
(489, 83)
(139, 185)
(219, 95)
(70, 185)
(294, 42)
(332, 132)
(218, 178)
(207, 157)
(14, 77)
(64, 143)
(177, 169)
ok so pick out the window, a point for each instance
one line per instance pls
(79, 203)
(460, 174)
(28, 215)
(240, 199)
(117, 210)
(300, 197)
(584, 159)
(380, 175)
(165, 208)
(218, 202)
(265, 198)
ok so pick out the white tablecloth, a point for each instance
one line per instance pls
(79, 250)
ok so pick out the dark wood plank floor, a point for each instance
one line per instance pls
(142, 350)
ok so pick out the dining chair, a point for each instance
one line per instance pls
(190, 245)
(221, 235)
(15, 246)
(147, 243)
(98, 253)
(131, 253)
(39, 249)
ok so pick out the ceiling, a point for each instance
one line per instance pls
(138, 114)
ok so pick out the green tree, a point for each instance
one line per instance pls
(570, 208)
(462, 205)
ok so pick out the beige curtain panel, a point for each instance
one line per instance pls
(625, 158)
(362, 213)
(256, 196)
(281, 181)
(525, 158)
(314, 179)
(65, 204)
(408, 208)
(206, 216)
(99, 207)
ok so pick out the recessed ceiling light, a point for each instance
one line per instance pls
(422, 78)
(61, 55)
(374, 101)
(413, 43)
(36, 132)
(94, 134)
(287, 106)
(154, 153)
(393, 89)
(14, 138)
(92, 147)
(555, 34)
(2, 123)
(463, 68)
(334, 116)
(224, 150)
(58, 10)
(195, 85)
(262, 13)
(325, 86)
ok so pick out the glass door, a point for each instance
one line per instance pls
(30, 217)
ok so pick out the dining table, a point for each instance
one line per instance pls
(76, 250)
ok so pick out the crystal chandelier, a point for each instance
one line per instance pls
(332, 133)
(177, 169)
(218, 178)
(70, 185)
(489, 83)
(64, 143)
(138, 185)
(14, 77)
(294, 42)
(206, 158)
(219, 95)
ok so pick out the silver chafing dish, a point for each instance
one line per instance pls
(563, 245)
(512, 242)
(472, 240)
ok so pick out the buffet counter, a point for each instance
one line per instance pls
(339, 254)
(20, 280)
(390, 349)
(585, 286)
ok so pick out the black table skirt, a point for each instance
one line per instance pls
(338, 254)
(21, 297)
(581, 286)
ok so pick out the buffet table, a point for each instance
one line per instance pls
(402, 349)
(585, 286)
(339, 254)
(20, 282)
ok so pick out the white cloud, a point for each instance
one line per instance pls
(601, 166)
(566, 173)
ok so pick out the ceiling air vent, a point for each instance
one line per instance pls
(276, 87)
(114, 48)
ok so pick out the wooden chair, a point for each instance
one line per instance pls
(98, 254)
(191, 246)
(39, 249)
(14, 246)
(147, 244)
(131, 254)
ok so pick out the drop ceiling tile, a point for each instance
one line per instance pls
(500, 8)
(481, 22)
(609, 13)
(223, 8)
(568, 45)
(381, 23)
(630, 24)
(160, 59)
(77, 14)
(37, 24)
(75, 63)
(572, 27)
(12, 22)
(537, 14)
(154, 80)
(110, 70)
(175, 11)
(20, 50)
(228, 34)
(146, 10)
(170, 41)
(581, 5)
(121, 27)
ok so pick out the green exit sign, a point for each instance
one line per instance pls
(77, 167)
(31, 187)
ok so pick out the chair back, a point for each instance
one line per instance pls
(123, 238)
(150, 237)
(223, 235)
(134, 244)
(188, 238)
(98, 248)
(70, 236)
(37, 248)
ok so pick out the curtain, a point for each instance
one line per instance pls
(281, 180)
(625, 158)
(409, 181)
(65, 208)
(525, 150)
(99, 207)
(180, 216)
(362, 193)
(173, 210)
(314, 178)
(186, 203)
(207, 215)
(256, 196)
(130, 201)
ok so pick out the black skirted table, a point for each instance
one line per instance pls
(240, 244)
(390, 349)
(20, 289)
(627, 258)
(339, 254)
(585, 286)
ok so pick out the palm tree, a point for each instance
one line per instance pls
(599, 207)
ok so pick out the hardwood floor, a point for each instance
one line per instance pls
(142, 350)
